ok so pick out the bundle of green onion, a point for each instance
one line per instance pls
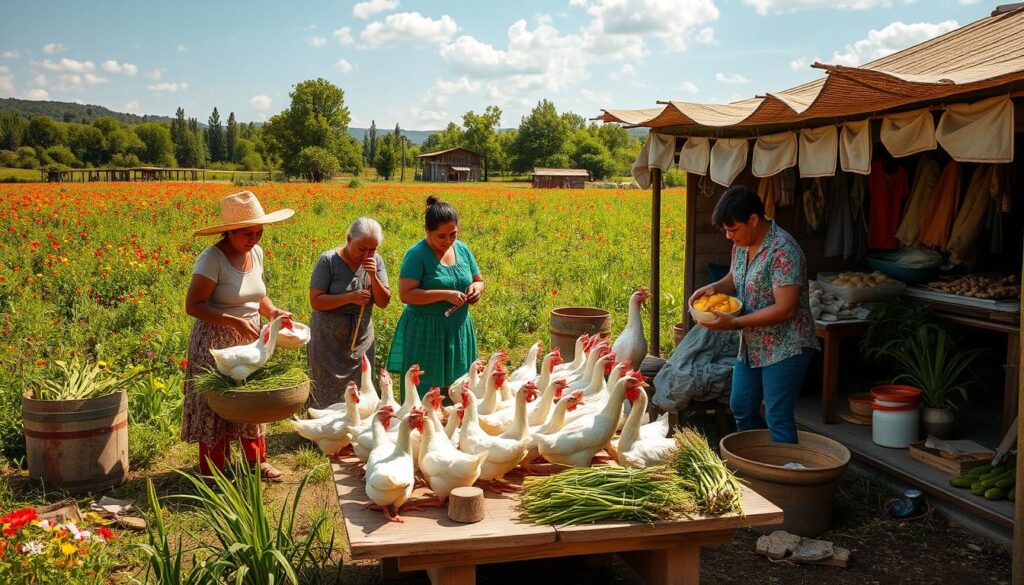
(588, 494)
(271, 377)
(714, 487)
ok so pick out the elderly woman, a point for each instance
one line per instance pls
(439, 274)
(769, 276)
(346, 283)
(227, 296)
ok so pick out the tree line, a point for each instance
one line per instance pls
(309, 140)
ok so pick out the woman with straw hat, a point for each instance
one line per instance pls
(226, 297)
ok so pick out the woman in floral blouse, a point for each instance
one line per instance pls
(769, 276)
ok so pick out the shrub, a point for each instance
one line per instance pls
(355, 183)
(316, 164)
(62, 155)
(675, 178)
(27, 158)
(8, 158)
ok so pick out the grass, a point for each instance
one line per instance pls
(9, 174)
(274, 376)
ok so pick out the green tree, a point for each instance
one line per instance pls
(480, 134)
(388, 156)
(106, 124)
(316, 164)
(215, 137)
(350, 155)
(589, 153)
(231, 137)
(122, 141)
(501, 160)
(62, 155)
(44, 132)
(366, 146)
(317, 117)
(541, 139)
(86, 142)
(12, 130)
(159, 148)
(27, 158)
(450, 137)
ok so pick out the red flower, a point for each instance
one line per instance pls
(3, 547)
(554, 291)
(106, 533)
(184, 364)
(16, 519)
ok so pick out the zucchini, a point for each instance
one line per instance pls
(961, 482)
(1005, 483)
(994, 494)
(1012, 494)
(977, 489)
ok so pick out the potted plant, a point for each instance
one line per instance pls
(928, 360)
(76, 426)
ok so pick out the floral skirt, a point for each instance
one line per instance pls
(198, 421)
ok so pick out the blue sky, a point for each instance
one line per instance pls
(423, 63)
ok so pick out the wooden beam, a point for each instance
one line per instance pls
(655, 347)
(1017, 574)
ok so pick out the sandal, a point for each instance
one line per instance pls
(270, 473)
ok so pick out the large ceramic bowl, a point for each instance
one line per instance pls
(293, 338)
(708, 316)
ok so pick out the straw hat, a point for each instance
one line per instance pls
(243, 210)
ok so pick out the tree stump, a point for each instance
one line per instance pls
(466, 504)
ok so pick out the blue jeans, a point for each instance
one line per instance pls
(778, 386)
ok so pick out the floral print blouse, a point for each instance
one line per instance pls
(780, 262)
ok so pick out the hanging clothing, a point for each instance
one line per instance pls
(985, 186)
(846, 230)
(769, 189)
(788, 180)
(887, 192)
(814, 205)
(938, 216)
(925, 178)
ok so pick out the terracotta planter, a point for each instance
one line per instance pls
(938, 422)
(258, 407)
(678, 331)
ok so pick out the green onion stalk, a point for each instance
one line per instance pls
(715, 488)
(589, 494)
(271, 377)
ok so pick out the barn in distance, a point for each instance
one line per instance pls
(454, 165)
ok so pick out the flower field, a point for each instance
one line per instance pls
(101, 270)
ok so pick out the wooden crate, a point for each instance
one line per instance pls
(954, 465)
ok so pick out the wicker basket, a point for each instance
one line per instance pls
(258, 407)
(851, 294)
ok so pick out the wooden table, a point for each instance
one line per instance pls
(663, 553)
(831, 334)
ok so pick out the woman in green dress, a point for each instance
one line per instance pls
(438, 273)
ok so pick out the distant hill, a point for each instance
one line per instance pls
(415, 136)
(72, 112)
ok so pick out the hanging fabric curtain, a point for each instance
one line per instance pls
(979, 132)
(818, 151)
(695, 155)
(940, 212)
(773, 154)
(985, 186)
(908, 133)
(656, 153)
(855, 147)
(728, 158)
(925, 178)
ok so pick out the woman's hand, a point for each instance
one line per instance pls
(702, 292)
(370, 266)
(476, 290)
(275, 313)
(245, 328)
(722, 322)
(455, 297)
(359, 297)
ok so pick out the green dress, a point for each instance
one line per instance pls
(444, 347)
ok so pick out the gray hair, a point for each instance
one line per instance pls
(366, 227)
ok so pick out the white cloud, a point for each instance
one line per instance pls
(168, 86)
(317, 42)
(40, 80)
(735, 78)
(798, 64)
(261, 103)
(181, 48)
(344, 36)
(705, 36)
(366, 9)
(597, 97)
(428, 118)
(6, 80)
(132, 107)
(439, 93)
(112, 66)
(51, 48)
(408, 27)
(780, 6)
(93, 79)
(895, 37)
(37, 94)
(12, 54)
(66, 65)
(343, 66)
(688, 87)
(674, 22)
(155, 74)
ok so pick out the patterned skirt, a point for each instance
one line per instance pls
(198, 422)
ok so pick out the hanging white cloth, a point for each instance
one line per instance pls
(656, 153)
(728, 158)
(908, 133)
(773, 154)
(695, 155)
(855, 147)
(979, 132)
(818, 151)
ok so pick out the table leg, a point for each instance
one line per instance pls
(829, 378)
(1011, 380)
(458, 575)
(669, 566)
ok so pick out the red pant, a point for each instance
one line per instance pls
(220, 452)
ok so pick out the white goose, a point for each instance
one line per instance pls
(631, 344)
(636, 452)
(240, 361)
(332, 434)
(369, 400)
(390, 469)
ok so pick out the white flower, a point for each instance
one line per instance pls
(45, 525)
(33, 548)
(84, 535)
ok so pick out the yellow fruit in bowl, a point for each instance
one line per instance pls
(701, 304)
(702, 307)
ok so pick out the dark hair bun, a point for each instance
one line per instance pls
(432, 200)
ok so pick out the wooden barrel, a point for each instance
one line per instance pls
(568, 323)
(78, 445)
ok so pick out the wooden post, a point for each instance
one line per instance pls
(1017, 574)
(655, 345)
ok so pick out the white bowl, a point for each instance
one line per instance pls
(293, 338)
(708, 316)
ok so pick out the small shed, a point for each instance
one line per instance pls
(560, 178)
(454, 165)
